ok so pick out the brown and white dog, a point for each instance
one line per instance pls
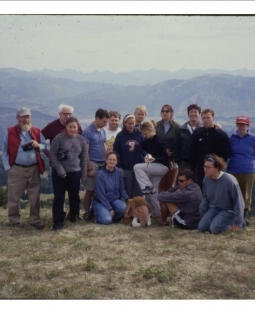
(137, 213)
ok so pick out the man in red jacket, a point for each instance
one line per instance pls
(22, 161)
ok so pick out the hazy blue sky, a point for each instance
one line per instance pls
(126, 42)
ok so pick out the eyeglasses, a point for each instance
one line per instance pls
(181, 181)
(207, 167)
(167, 111)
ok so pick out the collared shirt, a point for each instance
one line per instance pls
(25, 158)
(96, 139)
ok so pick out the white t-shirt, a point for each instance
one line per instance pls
(110, 138)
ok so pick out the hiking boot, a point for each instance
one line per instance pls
(17, 225)
(148, 190)
(68, 217)
(38, 225)
(57, 228)
(89, 216)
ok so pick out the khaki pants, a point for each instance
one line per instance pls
(245, 182)
(19, 180)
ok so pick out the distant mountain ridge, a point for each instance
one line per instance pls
(228, 95)
(136, 77)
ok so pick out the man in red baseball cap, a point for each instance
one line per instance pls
(241, 163)
(243, 120)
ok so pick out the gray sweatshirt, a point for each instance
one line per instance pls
(76, 150)
(223, 193)
(188, 200)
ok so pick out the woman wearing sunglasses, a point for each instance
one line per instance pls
(167, 130)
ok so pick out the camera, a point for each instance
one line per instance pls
(27, 146)
(63, 156)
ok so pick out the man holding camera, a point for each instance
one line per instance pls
(22, 161)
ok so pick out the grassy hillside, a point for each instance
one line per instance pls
(91, 261)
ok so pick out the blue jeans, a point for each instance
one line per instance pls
(216, 220)
(103, 215)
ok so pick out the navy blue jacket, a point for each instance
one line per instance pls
(156, 147)
(128, 147)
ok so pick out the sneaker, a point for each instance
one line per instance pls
(148, 190)
(38, 225)
(89, 216)
(247, 222)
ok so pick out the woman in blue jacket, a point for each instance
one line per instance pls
(241, 163)
(109, 190)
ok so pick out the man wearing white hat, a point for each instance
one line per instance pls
(22, 161)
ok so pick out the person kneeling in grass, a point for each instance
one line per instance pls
(109, 189)
(222, 207)
(182, 202)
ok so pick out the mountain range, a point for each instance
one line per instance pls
(41, 91)
(136, 77)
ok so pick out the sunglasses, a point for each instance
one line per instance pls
(181, 181)
(167, 111)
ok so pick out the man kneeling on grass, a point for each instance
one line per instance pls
(182, 202)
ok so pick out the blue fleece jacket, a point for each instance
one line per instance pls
(128, 146)
(109, 187)
(242, 157)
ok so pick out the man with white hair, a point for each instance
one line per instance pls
(23, 163)
(59, 125)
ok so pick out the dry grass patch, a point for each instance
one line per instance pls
(91, 261)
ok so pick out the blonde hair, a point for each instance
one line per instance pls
(141, 108)
(148, 126)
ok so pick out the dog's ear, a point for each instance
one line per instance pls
(128, 211)
(128, 215)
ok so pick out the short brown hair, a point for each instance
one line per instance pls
(114, 114)
(194, 106)
(217, 162)
(207, 111)
(187, 173)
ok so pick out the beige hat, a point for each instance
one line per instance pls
(23, 112)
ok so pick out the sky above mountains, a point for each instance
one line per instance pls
(119, 43)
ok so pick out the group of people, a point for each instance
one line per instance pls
(193, 174)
